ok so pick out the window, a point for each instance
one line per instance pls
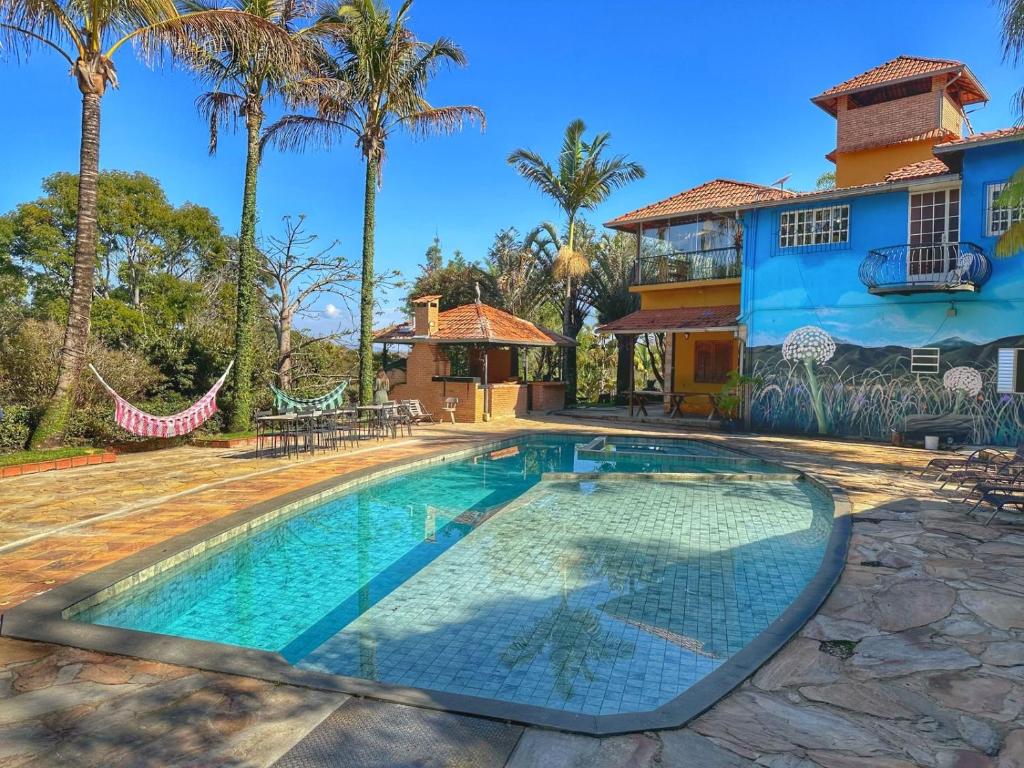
(814, 226)
(712, 361)
(999, 218)
(924, 360)
(1010, 377)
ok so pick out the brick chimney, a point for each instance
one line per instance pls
(425, 315)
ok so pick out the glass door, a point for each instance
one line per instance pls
(934, 235)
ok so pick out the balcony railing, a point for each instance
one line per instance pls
(687, 266)
(918, 268)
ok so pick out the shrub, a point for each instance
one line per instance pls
(14, 428)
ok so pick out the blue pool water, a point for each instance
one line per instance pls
(475, 577)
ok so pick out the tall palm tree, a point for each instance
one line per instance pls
(608, 292)
(387, 70)
(88, 36)
(242, 84)
(583, 180)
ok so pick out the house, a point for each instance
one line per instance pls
(873, 307)
(470, 353)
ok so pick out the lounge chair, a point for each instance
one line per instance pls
(1009, 481)
(417, 413)
(985, 466)
(949, 463)
(999, 499)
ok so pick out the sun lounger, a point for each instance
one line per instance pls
(417, 413)
(998, 499)
(945, 464)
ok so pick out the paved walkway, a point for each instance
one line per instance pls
(916, 659)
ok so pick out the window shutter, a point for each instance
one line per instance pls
(723, 364)
(1007, 376)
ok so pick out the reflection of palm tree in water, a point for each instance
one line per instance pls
(573, 638)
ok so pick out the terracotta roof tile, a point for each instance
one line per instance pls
(712, 195)
(684, 318)
(478, 323)
(980, 138)
(900, 68)
(930, 167)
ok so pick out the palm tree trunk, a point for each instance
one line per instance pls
(366, 290)
(284, 352)
(246, 302)
(569, 355)
(49, 432)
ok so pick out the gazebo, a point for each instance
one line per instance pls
(495, 387)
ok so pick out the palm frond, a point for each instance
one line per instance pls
(221, 110)
(1013, 30)
(299, 133)
(445, 120)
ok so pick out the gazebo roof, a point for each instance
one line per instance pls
(477, 323)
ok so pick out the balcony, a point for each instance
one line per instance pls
(687, 266)
(943, 267)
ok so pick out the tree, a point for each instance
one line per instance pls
(583, 180)
(88, 36)
(386, 70)
(297, 273)
(243, 84)
(1012, 196)
(455, 282)
(434, 257)
(608, 292)
(827, 180)
(139, 234)
(521, 281)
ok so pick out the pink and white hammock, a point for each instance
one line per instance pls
(144, 424)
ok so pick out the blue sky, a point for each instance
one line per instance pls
(689, 89)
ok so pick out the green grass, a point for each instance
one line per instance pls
(31, 457)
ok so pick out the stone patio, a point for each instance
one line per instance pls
(916, 658)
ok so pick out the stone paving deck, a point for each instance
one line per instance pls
(916, 658)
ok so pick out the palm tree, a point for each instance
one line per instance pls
(1012, 240)
(608, 291)
(583, 180)
(242, 84)
(386, 70)
(88, 36)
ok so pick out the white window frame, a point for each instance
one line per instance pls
(824, 225)
(1007, 216)
(1010, 360)
(925, 360)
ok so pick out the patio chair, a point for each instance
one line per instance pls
(1013, 480)
(417, 413)
(269, 431)
(391, 421)
(998, 500)
(450, 404)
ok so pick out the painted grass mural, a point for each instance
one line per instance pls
(813, 384)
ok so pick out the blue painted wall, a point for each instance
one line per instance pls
(788, 288)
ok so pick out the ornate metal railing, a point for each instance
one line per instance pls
(916, 268)
(687, 266)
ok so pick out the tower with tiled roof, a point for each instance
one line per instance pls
(892, 115)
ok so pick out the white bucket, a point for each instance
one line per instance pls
(931, 442)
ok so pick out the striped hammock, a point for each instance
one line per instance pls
(284, 403)
(131, 419)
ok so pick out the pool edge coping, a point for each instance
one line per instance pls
(42, 618)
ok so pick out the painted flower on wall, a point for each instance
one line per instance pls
(811, 346)
(962, 380)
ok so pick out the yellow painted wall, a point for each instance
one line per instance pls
(690, 296)
(870, 165)
(683, 358)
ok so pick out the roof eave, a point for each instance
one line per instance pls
(615, 224)
(874, 189)
(691, 329)
(942, 149)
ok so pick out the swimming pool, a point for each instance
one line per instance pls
(499, 576)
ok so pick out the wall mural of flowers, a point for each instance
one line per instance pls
(811, 346)
(813, 384)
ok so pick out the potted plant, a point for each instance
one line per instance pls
(730, 399)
